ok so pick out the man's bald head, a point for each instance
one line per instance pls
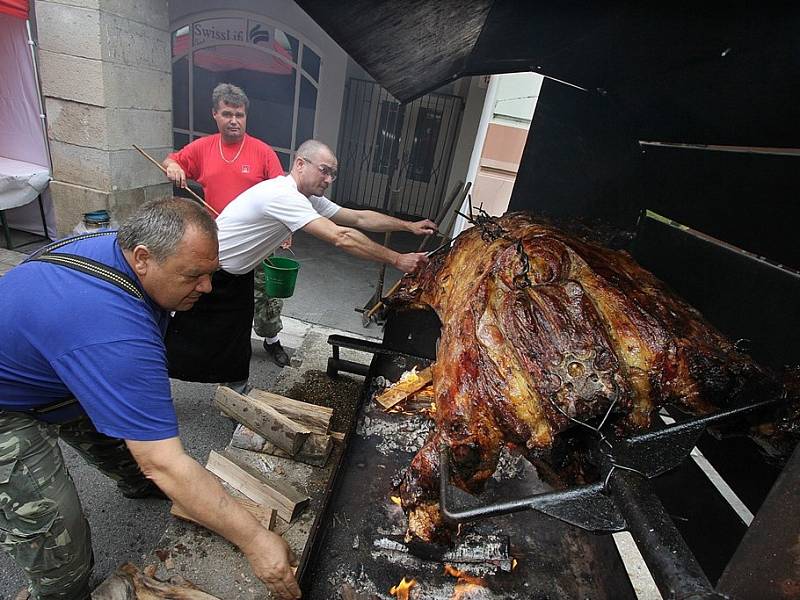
(314, 149)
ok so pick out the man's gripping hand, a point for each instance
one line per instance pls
(272, 560)
(424, 227)
(176, 174)
(408, 263)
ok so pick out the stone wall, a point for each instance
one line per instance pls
(106, 80)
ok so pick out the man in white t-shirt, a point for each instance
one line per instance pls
(253, 225)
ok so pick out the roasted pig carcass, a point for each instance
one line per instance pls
(541, 330)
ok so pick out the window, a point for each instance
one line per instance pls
(278, 71)
(423, 148)
(385, 153)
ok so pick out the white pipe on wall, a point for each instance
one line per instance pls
(480, 138)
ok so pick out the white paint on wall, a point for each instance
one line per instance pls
(517, 94)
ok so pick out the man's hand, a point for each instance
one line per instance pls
(272, 560)
(408, 263)
(287, 243)
(176, 174)
(424, 227)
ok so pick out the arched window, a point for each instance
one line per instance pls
(277, 69)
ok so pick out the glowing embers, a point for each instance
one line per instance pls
(402, 589)
(468, 586)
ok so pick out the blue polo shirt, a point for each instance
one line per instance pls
(65, 333)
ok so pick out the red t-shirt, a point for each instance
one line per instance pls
(222, 181)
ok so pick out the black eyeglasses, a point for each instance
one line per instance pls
(324, 169)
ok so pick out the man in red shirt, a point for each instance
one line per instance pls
(226, 164)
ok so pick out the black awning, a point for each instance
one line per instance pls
(688, 72)
(410, 47)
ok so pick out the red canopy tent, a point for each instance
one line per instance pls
(24, 157)
(15, 8)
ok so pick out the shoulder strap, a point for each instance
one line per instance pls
(92, 267)
(61, 243)
(87, 265)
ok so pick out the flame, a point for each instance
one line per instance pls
(513, 563)
(401, 590)
(409, 376)
(465, 580)
(396, 500)
(451, 570)
(463, 591)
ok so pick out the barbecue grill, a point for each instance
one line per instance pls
(678, 128)
(364, 547)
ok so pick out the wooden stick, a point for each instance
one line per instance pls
(129, 583)
(375, 308)
(448, 208)
(269, 492)
(263, 419)
(163, 170)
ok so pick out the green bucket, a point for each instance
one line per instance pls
(280, 275)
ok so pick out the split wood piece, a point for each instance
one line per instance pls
(263, 419)
(424, 395)
(402, 389)
(315, 451)
(338, 435)
(129, 583)
(315, 418)
(279, 495)
(263, 514)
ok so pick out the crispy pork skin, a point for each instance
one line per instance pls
(539, 329)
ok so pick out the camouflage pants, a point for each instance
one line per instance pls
(267, 318)
(42, 526)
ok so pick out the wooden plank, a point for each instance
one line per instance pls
(315, 418)
(263, 419)
(263, 490)
(129, 583)
(315, 451)
(402, 389)
(263, 514)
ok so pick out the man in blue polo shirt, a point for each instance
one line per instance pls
(103, 388)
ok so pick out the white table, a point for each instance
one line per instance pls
(20, 183)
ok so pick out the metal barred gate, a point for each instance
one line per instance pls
(418, 162)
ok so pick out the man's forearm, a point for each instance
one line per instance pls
(204, 499)
(370, 220)
(356, 243)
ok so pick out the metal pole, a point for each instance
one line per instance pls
(672, 564)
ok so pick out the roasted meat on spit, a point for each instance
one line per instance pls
(540, 330)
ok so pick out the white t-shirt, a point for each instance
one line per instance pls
(260, 218)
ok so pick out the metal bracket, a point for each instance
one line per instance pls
(591, 507)
(336, 363)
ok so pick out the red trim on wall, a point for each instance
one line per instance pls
(15, 8)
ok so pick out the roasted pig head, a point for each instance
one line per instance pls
(540, 330)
